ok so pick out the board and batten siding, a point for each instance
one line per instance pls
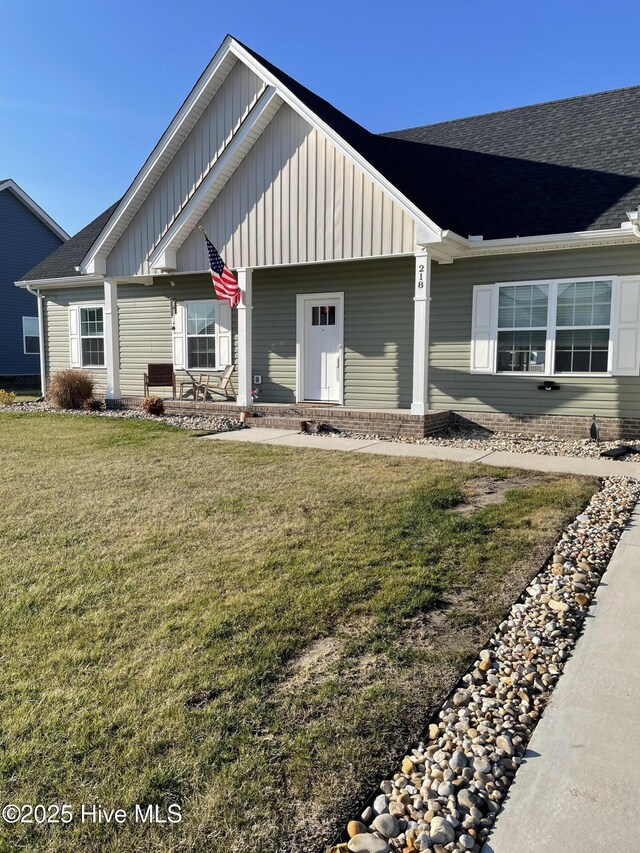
(453, 387)
(378, 329)
(296, 199)
(144, 314)
(191, 163)
(56, 321)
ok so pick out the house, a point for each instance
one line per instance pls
(485, 269)
(27, 235)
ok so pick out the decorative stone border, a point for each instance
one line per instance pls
(202, 421)
(468, 438)
(451, 784)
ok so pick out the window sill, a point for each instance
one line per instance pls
(537, 376)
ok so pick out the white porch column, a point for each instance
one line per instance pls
(421, 305)
(245, 308)
(111, 339)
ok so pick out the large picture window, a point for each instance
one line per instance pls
(201, 335)
(92, 336)
(552, 327)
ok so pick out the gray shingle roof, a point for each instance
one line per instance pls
(569, 165)
(62, 262)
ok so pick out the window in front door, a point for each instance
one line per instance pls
(323, 315)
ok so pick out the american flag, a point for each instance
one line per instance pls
(225, 285)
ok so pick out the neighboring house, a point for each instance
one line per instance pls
(469, 266)
(27, 235)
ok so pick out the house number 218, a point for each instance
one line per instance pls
(420, 275)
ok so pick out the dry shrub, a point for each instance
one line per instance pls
(153, 405)
(70, 389)
(93, 405)
(7, 398)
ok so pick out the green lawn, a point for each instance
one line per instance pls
(255, 633)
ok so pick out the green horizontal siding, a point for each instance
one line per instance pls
(378, 328)
(452, 386)
(145, 326)
(56, 317)
(378, 332)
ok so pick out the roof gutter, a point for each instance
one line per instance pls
(43, 365)
(454, 246)
(68, 281)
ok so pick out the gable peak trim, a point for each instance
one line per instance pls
(229, 52)
(34, 207)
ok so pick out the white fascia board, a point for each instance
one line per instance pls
(35, 208)
(69, 281)
(455, 246)
(214, 74)
(267, 105)
(288, 97)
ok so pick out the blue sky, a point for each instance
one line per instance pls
(86, 89)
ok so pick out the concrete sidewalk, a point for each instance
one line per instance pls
(578, 788)
(528, 461)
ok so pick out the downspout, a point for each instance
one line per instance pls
(43, 360)
(634, 219)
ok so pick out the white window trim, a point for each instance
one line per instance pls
(80, 306)
(215, 336)
(551, 329)
(25, 336)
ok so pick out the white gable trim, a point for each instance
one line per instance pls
(229, 52)
(164, 256)
(207, 85)
(35, 208)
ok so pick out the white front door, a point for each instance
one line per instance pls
(320, 324)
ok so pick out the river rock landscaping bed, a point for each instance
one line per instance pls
(200, 422)
(450, 786)
(479, 439)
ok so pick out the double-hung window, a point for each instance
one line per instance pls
(547, 328)
(92, 336)
(201, 334)
(522, 328)
(583, 324)
(30, 335)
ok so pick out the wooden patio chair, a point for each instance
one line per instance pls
(223, 384)
(159, 376)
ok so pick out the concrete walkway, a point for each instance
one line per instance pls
(578, 788)
(528, 461)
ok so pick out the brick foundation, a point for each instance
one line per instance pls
(563, 426)
(395, 424)
(391, 424)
